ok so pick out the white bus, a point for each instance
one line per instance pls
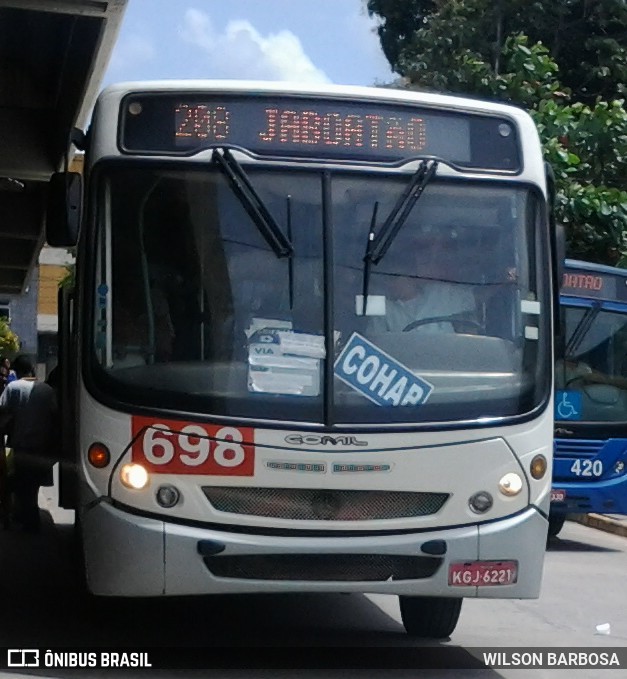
(309, 345)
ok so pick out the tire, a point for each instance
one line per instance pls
(430, 617)
(556, 523)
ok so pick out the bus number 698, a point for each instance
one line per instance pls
(189, 448)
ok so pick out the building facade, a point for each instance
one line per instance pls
(21, 311)
(54, 266)
(33, 314)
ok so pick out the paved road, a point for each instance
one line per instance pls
(584, 585)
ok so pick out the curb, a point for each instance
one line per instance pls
(601, 522)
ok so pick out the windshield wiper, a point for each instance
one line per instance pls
(290, 264)
(376, 247)
(581, 330)
(252, 203)
(397, 217)
(367, 259)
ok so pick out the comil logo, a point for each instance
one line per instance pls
(23, 657)
(315, 440)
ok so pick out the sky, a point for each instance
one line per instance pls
(307, 41)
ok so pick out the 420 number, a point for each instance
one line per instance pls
(175, 447)
(587, 468)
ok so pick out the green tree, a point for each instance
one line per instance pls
(587, 38)
(68, 280)
(9, 341)
(454, 50)
(587, 147)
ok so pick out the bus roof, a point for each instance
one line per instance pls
(290, 88)
(460, 143)
(588, 280)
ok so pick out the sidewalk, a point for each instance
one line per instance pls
(610, 523)
(49, 500)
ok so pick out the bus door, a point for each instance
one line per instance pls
(66, 391)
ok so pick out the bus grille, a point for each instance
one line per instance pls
(577, 447)
(306, 504)
(323, 567)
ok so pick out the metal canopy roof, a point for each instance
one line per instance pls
(52, 59)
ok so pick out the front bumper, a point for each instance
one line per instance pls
(582, 497)
(130, 555)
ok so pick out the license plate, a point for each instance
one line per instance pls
(558, 495)
(482, 573)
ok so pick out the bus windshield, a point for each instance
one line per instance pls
(591, 368)
(194, 310)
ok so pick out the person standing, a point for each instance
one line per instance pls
(33, 408)
(424, 289)
(5, 372)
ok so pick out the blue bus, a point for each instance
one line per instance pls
(590, 460)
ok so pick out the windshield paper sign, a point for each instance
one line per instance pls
(281, 361)
(379, 377)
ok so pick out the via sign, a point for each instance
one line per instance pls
(379, 377)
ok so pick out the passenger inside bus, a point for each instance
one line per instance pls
(422, 292)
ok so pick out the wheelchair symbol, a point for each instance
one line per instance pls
(568, 406)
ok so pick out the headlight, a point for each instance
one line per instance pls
(134, 476)
(511, 484)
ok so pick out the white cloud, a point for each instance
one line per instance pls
(362, 30)
(242, 52)
(131, 51)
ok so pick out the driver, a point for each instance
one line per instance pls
(424, 290)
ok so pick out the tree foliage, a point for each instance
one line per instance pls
(9, 341)
(464, 47)
(588, 38)
(69, 278)
(587, 147)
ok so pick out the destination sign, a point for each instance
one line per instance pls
(322, 128)
(591, 284)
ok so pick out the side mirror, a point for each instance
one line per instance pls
(557, 238)
(63, 216)
(560, 252)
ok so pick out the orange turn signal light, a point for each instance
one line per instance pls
(538, 466)
(98, 455)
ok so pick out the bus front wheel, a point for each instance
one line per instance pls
(430, 617)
